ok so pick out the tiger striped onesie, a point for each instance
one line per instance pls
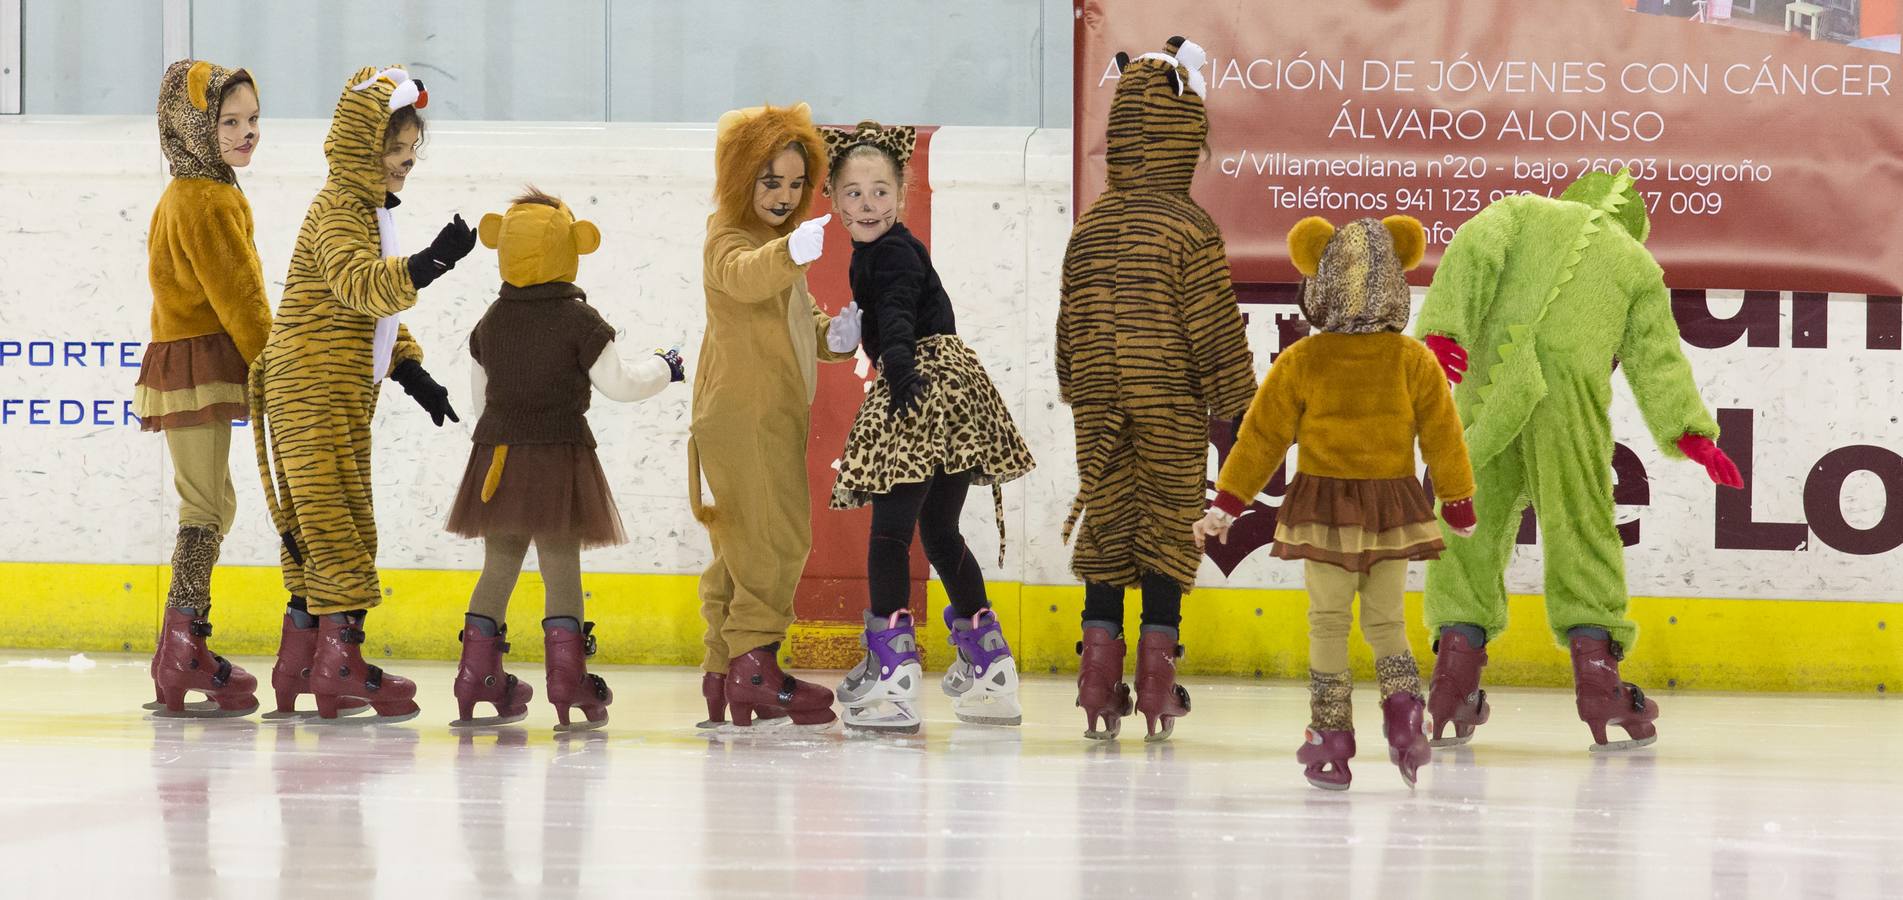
(1150, 341)
(313, 391)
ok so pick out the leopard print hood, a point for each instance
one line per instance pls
(190, 94)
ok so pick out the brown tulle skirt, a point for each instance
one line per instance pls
(1355, 523)
(546, 490)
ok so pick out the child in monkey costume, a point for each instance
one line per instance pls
(753, 396)
(210, 318)
(1354, 397)
(532, 475)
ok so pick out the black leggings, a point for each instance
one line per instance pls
(1162, 602)
(932, 507)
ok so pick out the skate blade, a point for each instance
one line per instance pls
(584, 725)
(293, 715)
(1106, 735)
(1169, 728)
(1327, 786)
(710, 724)
(189, 712)
(1455, 741)
(488, 721)
(883, 728)
(360, 721)
(155, 706)
(976, 719)
(1623, 746)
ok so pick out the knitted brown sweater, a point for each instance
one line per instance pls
(535, 345)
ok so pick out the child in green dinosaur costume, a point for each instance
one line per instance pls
(1550, 296)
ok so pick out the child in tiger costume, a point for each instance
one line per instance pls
(753, 399)
(315, 388)
(532, 477)
(1150, 344)
(209, 321)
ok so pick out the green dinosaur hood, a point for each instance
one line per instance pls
(1616, 195)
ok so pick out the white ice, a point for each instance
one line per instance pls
(1768, 796)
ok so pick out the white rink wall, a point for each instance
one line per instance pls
(76, 194)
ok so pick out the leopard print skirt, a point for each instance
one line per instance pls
(960, 425)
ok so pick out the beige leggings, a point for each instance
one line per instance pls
(1331, 597)
(502, 565)
(201, 470)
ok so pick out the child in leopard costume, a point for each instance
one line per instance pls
(932, 426)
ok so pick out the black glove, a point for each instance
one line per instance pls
(905, 394)
(452, 244)
(433, 397)
(676, 366)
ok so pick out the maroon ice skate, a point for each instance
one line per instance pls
(480, 679)
(1159, 698)
(713, 688)
(1454, 696)
(1325, 756)
(1605, 700)
(183, 664)
(1401, 717)
(291, 675)
(338, 673)
(1101, 691)
(756, 686)
(570, 686)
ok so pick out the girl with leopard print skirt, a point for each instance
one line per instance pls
(932, 425)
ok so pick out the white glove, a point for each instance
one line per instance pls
(842, 334)
(808, 241)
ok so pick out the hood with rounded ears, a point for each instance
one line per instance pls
(1158, 126)
(744, 142)
(354, 147)
(1353, 281)
(190, 95)
(539, 240)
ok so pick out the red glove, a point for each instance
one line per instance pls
(1701, 450)
(1453, 359)
(1459, 515)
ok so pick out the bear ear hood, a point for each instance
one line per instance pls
(746, 140)
(190, 95)
(354, 146)
(1617, 196)
(539, 240)
(1158, 127)
(1356, 286)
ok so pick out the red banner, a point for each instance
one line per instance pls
(1768, 159)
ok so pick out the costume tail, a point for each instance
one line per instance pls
(702, 512)
(262, 443)
(493, 478)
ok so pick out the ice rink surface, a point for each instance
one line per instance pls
(1771, 796)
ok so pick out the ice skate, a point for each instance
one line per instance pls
(480, 679)
(291, 675)
(1401, 716)
(1324, 756)
(1159, 698)
(1604, 700)
(1101, 691)
(1454, 697)
(1402, 712)
(713, 688)
(881, 693)
(570, 686)
(756, 687)
(983, 680)
(184, 664)
(338, 672)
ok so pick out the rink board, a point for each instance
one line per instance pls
(1688, 643)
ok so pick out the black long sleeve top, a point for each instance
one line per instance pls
(900, 298)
